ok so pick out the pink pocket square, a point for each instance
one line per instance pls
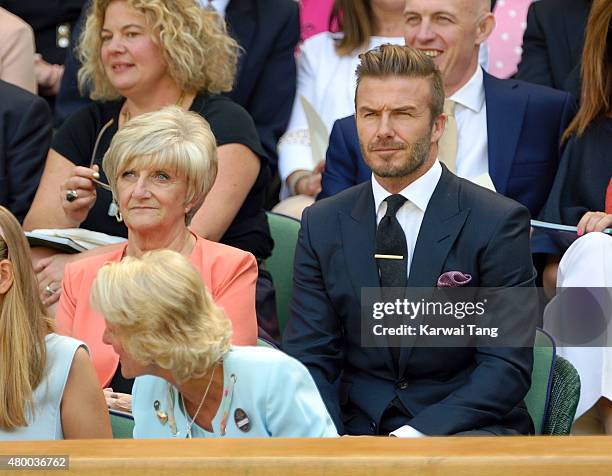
(453, 279)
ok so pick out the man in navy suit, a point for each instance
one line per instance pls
(268, 31)
(25, 135)
(507, 128)
(448, 225)
(553, 43)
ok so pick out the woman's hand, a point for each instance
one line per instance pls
(50, 272)
(118, 401)
(594, 221)
(311, 185)
(78, 193)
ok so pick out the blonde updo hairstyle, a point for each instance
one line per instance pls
(200, 54)
(163, 313)
(169, 139)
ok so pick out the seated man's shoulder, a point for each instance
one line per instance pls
(487, 205)
(537, 93)
(15, 98)
(343, 201)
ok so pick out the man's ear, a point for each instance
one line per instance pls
(485, 27)
(6, 276)
(437, 128)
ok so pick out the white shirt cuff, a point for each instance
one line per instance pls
(407, 431)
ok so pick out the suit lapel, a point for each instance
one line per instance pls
(358, 230)
(505, 112)
(443, 220)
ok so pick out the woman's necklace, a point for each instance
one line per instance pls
(126, 115)
(195, 415)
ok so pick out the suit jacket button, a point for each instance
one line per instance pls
(402, 384)
(373, 426)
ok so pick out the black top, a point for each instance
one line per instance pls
(583, 176)
(229, 122)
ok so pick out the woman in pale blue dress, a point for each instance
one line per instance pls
(190, 381)
(48, 387)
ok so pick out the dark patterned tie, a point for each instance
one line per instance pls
(391, 243)
(391, 256)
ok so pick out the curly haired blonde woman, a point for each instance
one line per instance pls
(48, 387)
(140, 56)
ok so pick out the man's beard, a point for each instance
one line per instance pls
(416, 154)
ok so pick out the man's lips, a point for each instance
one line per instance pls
(431, 53)
(386, 148)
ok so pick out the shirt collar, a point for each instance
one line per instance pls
(418, 192)
(472, 95)
(219, 5)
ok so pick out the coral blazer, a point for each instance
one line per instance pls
(229, 274)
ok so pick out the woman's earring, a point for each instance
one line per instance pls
(113, 211)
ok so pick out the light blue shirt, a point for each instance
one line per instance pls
(45, 422)
(274, 391)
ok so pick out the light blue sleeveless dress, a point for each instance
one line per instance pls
(45, 421)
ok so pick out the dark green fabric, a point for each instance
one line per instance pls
(284, 232)
(123, 426)
(536, 399)
(564, 398)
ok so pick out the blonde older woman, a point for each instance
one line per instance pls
(160, 165)
(139, 56)
(190, 381)
(48, 387)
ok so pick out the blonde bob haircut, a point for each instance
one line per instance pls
(163, 313)
(200, 54)
(24, 323)
(169, 139)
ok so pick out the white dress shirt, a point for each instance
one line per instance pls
(411, 213)
(219, 5)
(410, 216)
(471, 116)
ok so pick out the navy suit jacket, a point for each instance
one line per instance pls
(553, 43)
(446, 390)
(524, 127)
(268, 31)
(25, 134)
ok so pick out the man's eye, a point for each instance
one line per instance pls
(128, 173)
(443, 19)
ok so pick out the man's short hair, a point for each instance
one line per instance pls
(395, 60)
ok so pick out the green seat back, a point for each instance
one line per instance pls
(284, 232)
(564, 397)
(121, 424)
(537, 398)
